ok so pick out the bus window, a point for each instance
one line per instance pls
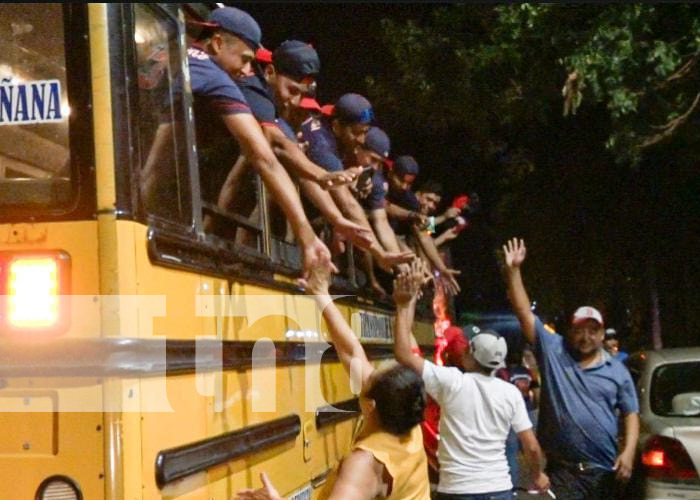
(35, 162)
(164, 180)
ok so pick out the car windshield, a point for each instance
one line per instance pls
(670, 382)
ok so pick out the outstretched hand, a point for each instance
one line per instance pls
(514, 252)
(360, 236)
(386, 260)
(317, 281)
(341, 178)
(316, 255)
(267, 492)
(407, 285)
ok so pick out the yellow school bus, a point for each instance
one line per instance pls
(132, 309)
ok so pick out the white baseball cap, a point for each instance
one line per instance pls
(587, 312)
(489, 349)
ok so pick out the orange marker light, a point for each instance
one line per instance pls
(654, 458)
(33, 290)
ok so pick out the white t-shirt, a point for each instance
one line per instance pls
(476, 413)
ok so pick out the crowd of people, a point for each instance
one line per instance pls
(255, 112)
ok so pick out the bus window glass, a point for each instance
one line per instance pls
(164, 179)
(34, 110)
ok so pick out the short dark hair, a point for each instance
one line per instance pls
(431, 186)
(399, 397)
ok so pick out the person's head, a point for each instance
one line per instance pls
(429, 196)
(610, 341)
(233, 37)
(351, 120)
(396, 397)
(586, 334)
(528, 357)
(292, 74)
(403, 173)
(487, 352)
(375, 150)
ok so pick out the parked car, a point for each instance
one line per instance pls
(668, 384)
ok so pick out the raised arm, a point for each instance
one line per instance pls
(406, 288)
(346, 344)
(514, 252)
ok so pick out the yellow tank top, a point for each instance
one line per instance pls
(404, 459)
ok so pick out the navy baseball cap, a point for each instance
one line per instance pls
(296, 59)
(353, 108)
(406, 165)
(378, 142)
(238, 22)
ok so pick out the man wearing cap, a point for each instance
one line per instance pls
(476, 409)
(404, 211)
(329, 142)
(272, 96)
(372, 154)
(225, 126)
(583, 387)
(612, 345)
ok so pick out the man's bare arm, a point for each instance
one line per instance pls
(514, 253)
(256, 149)
(293, 157)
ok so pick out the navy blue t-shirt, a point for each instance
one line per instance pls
(323, 147)
(215, 94)
(262, 104)
(578, 419)
(405, 199)
(377, 196)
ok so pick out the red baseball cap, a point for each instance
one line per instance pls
(263, 55)
(309, 103)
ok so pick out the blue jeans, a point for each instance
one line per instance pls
(512, 446)
(496, 495)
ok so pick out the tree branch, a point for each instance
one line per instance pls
(683, 71)
(669, 128)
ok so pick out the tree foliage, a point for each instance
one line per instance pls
(577, 122)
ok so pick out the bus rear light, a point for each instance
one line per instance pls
(665, 458)
(35, 288)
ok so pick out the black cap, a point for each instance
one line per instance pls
(296, 59)
(238, 22)
(406, 165)
(353, 108)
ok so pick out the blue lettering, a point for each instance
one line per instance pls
(21, 104)
(54, 102)
(38, 101)
(6, 103)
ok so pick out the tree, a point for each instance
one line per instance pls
(591, 178)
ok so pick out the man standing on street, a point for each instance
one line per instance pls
(582, 387)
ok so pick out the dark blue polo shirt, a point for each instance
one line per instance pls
(405, 199)
(323, 147)
(578, 419)
(377, 196)
(259, 96)
(215, 94)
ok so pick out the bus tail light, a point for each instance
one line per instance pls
(35, 291)
(665, 458)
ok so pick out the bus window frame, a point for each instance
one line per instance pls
(169, 243)
(230, 260)
(83, 198)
